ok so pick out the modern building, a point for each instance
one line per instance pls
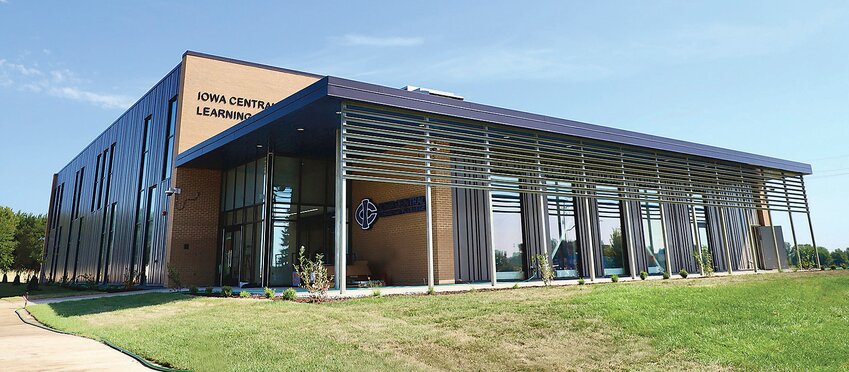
(225, 170)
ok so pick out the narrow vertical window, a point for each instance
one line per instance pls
(137, 233)
(170, 126)
(96, 182)
(108, 180)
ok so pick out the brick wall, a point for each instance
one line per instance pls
(396, 247)
(194, 223)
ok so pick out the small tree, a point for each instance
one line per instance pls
(174, 277)
(314, 276)
(546, 272)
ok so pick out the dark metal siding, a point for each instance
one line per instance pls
(126, 133)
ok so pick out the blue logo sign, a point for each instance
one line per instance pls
(366, 214)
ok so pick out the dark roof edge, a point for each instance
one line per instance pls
(355, 90)
(251, 64)
(287, 105)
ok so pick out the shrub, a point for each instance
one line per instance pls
(244, 294)
(431, 291)
(614, 278)
(193, 289)
(581, 281)
(314, 276)
(546, 272)
(644, 275)
(226, 291)
(666, 275)
(289, 294)
(705, 261)
(833, 267)
(130, 280)
(174, 277)
(844, 266)
(269, 293)
(683, 273)
(89, 281)
(208, 291)
(515, 285)
(32, 285)
(375, 292)
(17, 280)
(5, 278)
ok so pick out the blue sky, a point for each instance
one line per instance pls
(766, 77)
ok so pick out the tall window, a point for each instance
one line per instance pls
(507, 233)
(110, 243)
(563, 235)
(140, 217)
(108, 178)
(148, 229)
(96, 182)
(610, 231)
(169, 140)
(653, 235)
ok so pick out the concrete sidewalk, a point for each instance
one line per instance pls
(96, 295)
(29, 348)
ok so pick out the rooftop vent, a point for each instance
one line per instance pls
(432, 92)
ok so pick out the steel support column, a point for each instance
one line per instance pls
(810, 223)
(341, 210)
(725, 240)
(428, 212)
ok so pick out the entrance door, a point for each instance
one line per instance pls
(231, 248)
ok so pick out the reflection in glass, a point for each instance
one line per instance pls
(507, 235)
(610, 233)
(563, 235)
(283, 253)
(653, 234)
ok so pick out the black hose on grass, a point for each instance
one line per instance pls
(135, 356)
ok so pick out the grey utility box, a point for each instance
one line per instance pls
(766, 248)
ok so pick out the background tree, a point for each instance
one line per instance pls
(839, 257)
(8, 222)
(809, 259)
(29, 242)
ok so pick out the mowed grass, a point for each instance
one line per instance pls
(759, 322)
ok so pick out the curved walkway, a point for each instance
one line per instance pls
(29, 348)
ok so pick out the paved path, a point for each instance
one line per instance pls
(24, 347)
(51, 300)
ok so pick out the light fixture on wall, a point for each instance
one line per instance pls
(171, 191)
(300, 129)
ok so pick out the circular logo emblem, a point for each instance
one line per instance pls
(366, 214)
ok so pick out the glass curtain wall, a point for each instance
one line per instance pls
(303, 193)
(562, 229)
(507, 235)
(610, 232)
(653, 234)
(240, 259)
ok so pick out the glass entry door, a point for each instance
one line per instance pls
(231, 248)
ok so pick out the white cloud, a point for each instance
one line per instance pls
(376, 41)
(105, 100)
(61, 83)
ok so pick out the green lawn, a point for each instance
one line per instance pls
(762, 322)
(44, 291)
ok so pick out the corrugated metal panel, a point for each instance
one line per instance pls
(88, 224)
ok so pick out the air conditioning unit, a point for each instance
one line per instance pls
(433, 92)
